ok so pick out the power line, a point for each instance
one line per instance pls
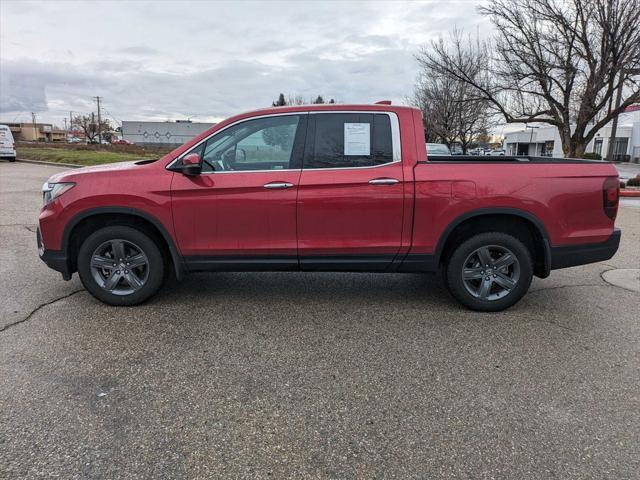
(111, 115)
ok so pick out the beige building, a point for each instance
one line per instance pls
(36, 132)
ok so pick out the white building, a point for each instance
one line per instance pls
(544, 141)
(162, 133)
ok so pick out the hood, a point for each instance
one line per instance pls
(124, 167)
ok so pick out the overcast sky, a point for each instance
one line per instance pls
(207, 60)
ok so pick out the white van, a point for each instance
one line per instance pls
(7, 145)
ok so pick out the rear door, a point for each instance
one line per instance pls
(242, 209)
(7, 146)
(350, 197)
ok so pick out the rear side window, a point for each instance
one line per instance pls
(349, 140)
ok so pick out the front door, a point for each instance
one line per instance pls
(350, 197)
(241, 210)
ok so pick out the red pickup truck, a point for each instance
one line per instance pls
(328, 188)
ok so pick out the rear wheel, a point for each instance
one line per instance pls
(12, 159)
(489, 272)
(120, 265)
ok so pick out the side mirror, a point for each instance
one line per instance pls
(191, 165)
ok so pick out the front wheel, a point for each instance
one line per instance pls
(120, 265)
(489, 272)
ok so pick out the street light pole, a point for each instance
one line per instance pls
(531, 137)
(614, 126)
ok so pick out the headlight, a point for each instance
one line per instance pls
(51, 191)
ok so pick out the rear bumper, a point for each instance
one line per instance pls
(54, 259)
(572, 255)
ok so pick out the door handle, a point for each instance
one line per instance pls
(383, 181)
(278, 185)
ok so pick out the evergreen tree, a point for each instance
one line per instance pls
(281, 102)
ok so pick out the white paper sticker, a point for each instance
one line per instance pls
(357, 139)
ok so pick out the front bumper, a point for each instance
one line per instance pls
(572, 255)
(54, 259)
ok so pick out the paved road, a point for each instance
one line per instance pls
(312, 376)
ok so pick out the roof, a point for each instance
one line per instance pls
(326, 106)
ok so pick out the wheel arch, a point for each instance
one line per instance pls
(81, 225)
(499, 219)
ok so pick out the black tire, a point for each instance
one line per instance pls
(12, 159)
(153, 269)
(495, 241)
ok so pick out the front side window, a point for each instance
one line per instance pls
(259, 144)
(349, 140)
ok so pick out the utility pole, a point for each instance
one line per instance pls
(99, 132)
(33, 119)
(70, 120)
(65, 123)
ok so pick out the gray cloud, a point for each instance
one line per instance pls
(207, 61)
(138, 50)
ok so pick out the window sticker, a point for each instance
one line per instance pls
(357, 139)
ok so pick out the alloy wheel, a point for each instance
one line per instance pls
(491, 272)
(119, 266)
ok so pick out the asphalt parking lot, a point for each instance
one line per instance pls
(276, 375)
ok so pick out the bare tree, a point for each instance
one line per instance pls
(452, 111)
(296, 100)
(558, 62)
(421, 100)
(89, 125)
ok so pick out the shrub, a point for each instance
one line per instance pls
(634, 182)
(622, 184)
(592, 156)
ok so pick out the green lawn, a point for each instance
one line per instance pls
(81, 157)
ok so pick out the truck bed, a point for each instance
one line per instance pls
(504, 159)
(563, 196)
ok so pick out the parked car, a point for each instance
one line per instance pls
(456, 149)
(74, 140)
(434, 149)
(327, 188)
(7, 144)
(497, 152)
(121, 141)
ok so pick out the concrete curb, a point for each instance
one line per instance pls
(629, 193)
(53, 164)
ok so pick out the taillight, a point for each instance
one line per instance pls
(610, 195)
